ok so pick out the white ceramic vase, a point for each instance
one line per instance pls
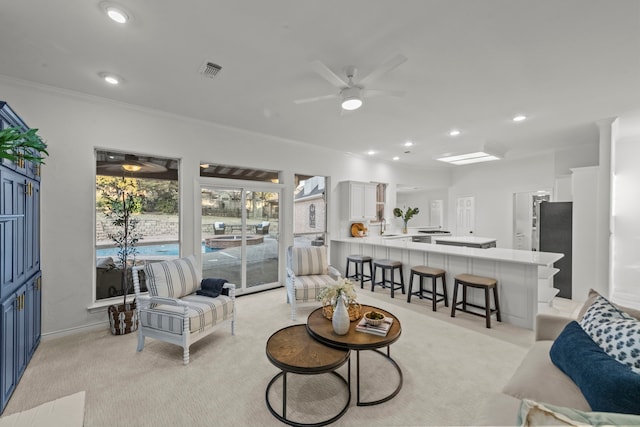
(340, 319)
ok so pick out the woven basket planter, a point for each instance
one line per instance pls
(353, 309)
(123, 318)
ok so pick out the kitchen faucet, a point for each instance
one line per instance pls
(383, 226)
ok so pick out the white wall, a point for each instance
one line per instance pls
(493, 188)
(421, 199)
(75, 124)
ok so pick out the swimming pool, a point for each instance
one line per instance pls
(171, 249)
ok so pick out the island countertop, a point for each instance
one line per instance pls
(516, 271)
(497, 254)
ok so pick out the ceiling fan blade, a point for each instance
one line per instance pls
(329, 75)
(315, 98)
(370, 93)
(384, 68)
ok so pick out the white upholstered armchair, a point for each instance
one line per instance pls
(172, 311)
(308, 272)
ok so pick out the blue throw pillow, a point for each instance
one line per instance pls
(607, 385)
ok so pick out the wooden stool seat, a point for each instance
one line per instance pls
(359, 261)
(391, 266)
(480, 282)
(433, 273)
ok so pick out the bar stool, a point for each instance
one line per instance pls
(391, 266)
(433, 273)
(359, 261)
(486, 283)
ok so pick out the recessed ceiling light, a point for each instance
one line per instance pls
(396, 158)
(454, 132)
(371, 152)
(116, 12)
(519, 118)
(112, 79)
(408, 144)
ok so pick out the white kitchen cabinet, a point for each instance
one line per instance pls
(360, 200)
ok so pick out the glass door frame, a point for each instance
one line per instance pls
(220, 184)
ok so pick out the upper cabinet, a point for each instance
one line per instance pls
(360, 200)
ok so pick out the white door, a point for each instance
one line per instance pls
(436, 213)
(465, 215)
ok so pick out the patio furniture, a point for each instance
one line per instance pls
(218, 228)
(262, 228)
(308, 272)
(172, 311)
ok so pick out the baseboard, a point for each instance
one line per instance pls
(70, 331)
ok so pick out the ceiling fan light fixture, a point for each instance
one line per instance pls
(131, 168)
(351, 104)
(351, 99)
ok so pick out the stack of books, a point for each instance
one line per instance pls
(380, 329)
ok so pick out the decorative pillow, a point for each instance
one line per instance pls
(620, 339)
(174, 279)
(307, 261)
(607, 385)
(543, 414)
(601, 311)
(593, 294)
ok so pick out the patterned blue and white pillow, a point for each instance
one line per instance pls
(601, 311)
(620, 339)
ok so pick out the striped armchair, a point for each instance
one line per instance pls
(308, 272)
(172, 311)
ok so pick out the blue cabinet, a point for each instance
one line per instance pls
(20, 276)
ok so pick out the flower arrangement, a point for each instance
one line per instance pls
(331, 294)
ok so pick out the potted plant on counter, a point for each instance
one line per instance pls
(121, 204)
(406, 216)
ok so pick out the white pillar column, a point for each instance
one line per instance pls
(604, 280)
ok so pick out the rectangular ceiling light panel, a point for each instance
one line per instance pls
(466, 159)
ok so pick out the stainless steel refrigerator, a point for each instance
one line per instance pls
(555, 235)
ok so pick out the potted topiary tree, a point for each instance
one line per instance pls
(121, 203)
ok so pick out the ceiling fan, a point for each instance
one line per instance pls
(352, 92)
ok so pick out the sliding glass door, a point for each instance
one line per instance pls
(240, 235)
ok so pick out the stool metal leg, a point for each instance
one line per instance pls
(373, 279)
(393, 281)
(454, 301)
(444, 290)
(495, 299)
(434, 293)
(410, 286)
(487, 307)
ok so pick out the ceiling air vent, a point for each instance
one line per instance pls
(209, 69)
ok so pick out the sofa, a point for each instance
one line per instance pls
(542, 391)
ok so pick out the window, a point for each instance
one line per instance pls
(150, 188)
(381, 198)
(310, 210)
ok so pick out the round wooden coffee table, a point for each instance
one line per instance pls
(321, 329)
(291, 349)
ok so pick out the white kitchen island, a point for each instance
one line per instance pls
(515, 270)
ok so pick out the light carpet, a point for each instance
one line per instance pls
(450, 366)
